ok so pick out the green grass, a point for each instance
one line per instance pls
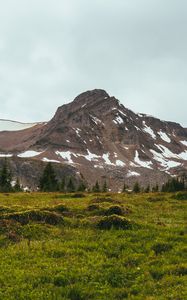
(55, 246)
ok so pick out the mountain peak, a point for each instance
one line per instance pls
(91, 96)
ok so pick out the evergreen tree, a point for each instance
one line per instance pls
(17, 187)
(125, 187)
(48, 181)
(105, 187)
(70, 186)
(81, 187)
(155, 188)
(147, 189)
(173, 185)
(63, 185)
(136, 187)
(5, 178)
(96, 187)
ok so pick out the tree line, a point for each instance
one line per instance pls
(48, 182)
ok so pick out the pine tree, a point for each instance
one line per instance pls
(17, 187)
(70, 186)
(5, 178)
(81, 187)
(48, 181)
(105, 187)
(63, 185)
(147, 189)
(173, 185)
(155, 188)
(96, 187)
(136, 187)
(125, 187)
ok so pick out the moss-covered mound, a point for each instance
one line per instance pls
(115, 210)
(25, 217)
(114, 221)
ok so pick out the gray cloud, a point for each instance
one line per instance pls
(50, 51)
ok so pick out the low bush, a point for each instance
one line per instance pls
(93, 207)
(115, 210)
(78, 195)
(25, 217)
(161, 247)
(180, 196)
(114, 221)
(60, 208)
(180, 270)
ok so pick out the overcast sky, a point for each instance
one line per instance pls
(52, 50)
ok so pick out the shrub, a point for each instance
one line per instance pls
(115, 210)
(180, 196)
(78, 195)
(159, 248)
(93, 207)
(60, 208)
(24, 218)
(180, 270)
(114, 221)
(60, 280)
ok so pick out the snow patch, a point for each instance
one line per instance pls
(164, 136)
(91, 156)
(120, 163)
(106, 159)
(122, 113)
(66, 155)
(96, 120)
(184, 143)
(132, 173)
(29, 153)
(148, 130)
(165, 163)
(118, 120)
(183, 155)
(45, 159)
(6, 155)
(6, 125)
(77, 130)
(144, 164)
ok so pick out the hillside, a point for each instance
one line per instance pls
(56, 246)
(101, 139)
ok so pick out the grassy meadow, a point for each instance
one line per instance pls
(93, 246)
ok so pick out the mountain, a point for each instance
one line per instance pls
(96, 137)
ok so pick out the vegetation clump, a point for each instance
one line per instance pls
(78, 195)
(161, 247)
(93, 207)
(115, 210)
(114, 221)
(173, 185)
(25, 217)
(180, 196)
(60, 208)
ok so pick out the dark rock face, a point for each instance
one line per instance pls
(100, 138)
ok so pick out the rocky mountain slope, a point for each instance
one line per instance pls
(97, 137)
